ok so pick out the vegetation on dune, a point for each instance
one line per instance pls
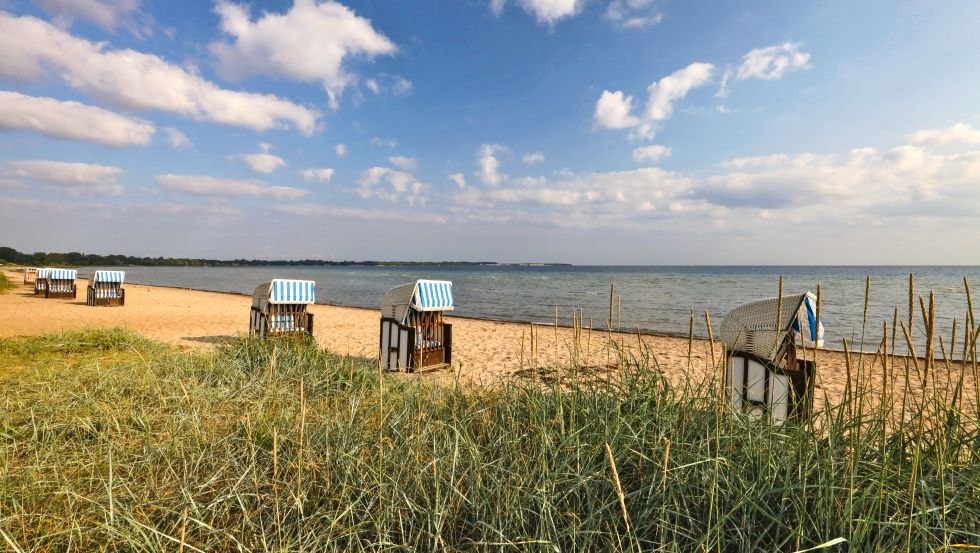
(6, 284)
(108, 440)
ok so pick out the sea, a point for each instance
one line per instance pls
(657, 299)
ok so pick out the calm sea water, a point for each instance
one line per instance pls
(658, 299)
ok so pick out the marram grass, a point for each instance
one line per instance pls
(111, 442)
(6, 284)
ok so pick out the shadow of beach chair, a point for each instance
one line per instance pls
(106, 288)
(413, 333)
(41, 281)
(61, 283)
(764, 378)
(279, 307)
(30, 275)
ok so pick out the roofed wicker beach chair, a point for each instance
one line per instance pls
(279, 307)
(413, 333)
(764, 377)
(61, 283)
(41, 281)
(106, 288)
(30, 275)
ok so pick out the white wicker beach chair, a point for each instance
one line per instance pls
(764, 377)
(61, 283)
(279, 307)
(30, 275)
(106, 288)
(413, 332)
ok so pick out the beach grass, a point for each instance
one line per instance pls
(6, 284)
(109, 441)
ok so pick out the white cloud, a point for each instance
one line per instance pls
(384, 142)
(71, 120)
(459, 179)
(533, 158)
(393, 84)
(358, 214)
(723, 87)
(391, 186)
(313, 174)
(200, 185)
(177, 139)
(544, 11)
(488, 165)
(137, 81)
(74, 178)
(308, 43)
(959, 133)
(652, 153)
(262, 162)
(404, 163)
(773, 62)
(633, 14)
(107, 14)
(340, 150)
(614, 109)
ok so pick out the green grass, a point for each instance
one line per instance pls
(109, 441)
(6, 284)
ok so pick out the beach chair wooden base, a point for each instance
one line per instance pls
(261, 325)
(39, 289)
(764, 390)
(62, 293)
(402, 349)
(93, 299)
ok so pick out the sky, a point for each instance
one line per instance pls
(567, 131)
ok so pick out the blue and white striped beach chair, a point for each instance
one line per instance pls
(413, 332)
(41, 281)
(764, 377)
(279, 307)
(106, 288)
(61, 283)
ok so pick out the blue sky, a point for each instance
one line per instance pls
(600, 131)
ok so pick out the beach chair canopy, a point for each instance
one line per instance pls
(30, 270)
(280, 291)
(112, 277)
(752, 327)
(421, 295)
(62, 274)
(43, 272)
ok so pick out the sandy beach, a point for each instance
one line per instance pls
(485, 351)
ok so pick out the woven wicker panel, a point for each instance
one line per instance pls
(760, 327)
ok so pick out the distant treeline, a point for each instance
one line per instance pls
(48, 259)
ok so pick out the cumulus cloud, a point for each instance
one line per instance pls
(137, 81)
(960, 133)
(652, 153)
(613, 110)
(307, 43)
(390, 185)
(201, 185)
(384, 142)
(262, 162)
(404, 163)
(340, 150)
(459, 179)
(773, 62)
(71, 120)
(488, 166)
(107, 14)
(74, 178)
(633, 14)
(314, 174)
(392, 84)
(533, 158)
(177, 139)
(544, 11)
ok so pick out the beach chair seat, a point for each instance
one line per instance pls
(61, 283)
(105, 288)
(764, 377)
(280, 307)
(413, 333)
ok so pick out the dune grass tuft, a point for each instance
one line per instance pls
(110, 441)
(6, 284)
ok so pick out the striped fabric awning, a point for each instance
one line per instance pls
(109, 276)
(62, 274)
(433, 295)
(43, 272)
(806, 325)
(292, 291)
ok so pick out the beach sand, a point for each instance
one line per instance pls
(484, 351)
